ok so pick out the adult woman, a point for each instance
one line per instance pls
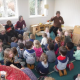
(10, 29)
(20, 25)
(58, 20)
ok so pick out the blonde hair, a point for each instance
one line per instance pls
(32, 36)
(2, 28)
(67, 33)
(44, 58)
(25, 36)
(49, 78)
(6, 55)
(37, 44)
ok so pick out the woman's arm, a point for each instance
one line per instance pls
(24, 23)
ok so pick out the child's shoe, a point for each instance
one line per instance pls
(60, 73)
(28, 65)
(32, 66)
(65, 72)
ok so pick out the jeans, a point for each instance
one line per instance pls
(19, 31)
(54, 29)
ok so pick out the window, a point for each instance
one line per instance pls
(8, 8)
(37, 7)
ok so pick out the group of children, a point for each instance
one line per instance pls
(61, 51)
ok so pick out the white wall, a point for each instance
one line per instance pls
(70, 11)
(23, 9)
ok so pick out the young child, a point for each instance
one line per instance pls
(20, 39)
(13, 43)
(1, 55)
(44, 39)
(57, 45)
(49, 40)
(47, 32)
(9, 58)
(29, 55)
(77, 53)
(43, 67)
(61, 61)
(51, 54)
(60, 32)
(32, 37)
(67, 38)
(70, 51)
(25, 37)
(20, 50)
(49, 78)
(38, 49)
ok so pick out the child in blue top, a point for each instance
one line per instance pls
(43, 66)
(70, 51)
(1, 55)
(32, 37)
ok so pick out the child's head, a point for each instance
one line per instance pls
(1, 48)
(57, 40)
(49, 40)
(63, 50)
(49, 78)
(51, 46)
(78, 47)
(44, 35)
(29, 45)
(14, 50)
(32, 36)
(60, 30)
(8, 55)
(20, 37)
(14, 39)
(44, 58)
(9, 23)
(47, 29)
(21, 46)
(37, 44)
(2, 29)
(1, 43)
(25, 36)
(66, 33)
(69, 45)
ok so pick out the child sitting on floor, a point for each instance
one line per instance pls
(49, 40)
(67, 37)
(44, 39)
(29, 55)
(70, 51)
(1, 55)
(20, 39)
(13, 43)
(57, 45)
(9, 58)
(47, 32)
(32, 37)
(38, 49)
(43, 66)
(51, 54)
(20, 50)
(77, 53)
(61, 61)
(25, 37)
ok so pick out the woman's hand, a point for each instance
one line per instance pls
(18, 28)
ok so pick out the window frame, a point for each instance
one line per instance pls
(36, 9)
(16, 11)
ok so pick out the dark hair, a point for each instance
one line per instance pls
(14, 50)
(70, 45)
(13, 39)
(51, 46)
(49, 40)
(60, 29)
(63, 50)
(20, 17)
(21, 45)
(29, 44)
(9, 22)
(58, 12)
(20, 37)
(78, 45)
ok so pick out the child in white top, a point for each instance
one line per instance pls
(47, 32)
(44, 39)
